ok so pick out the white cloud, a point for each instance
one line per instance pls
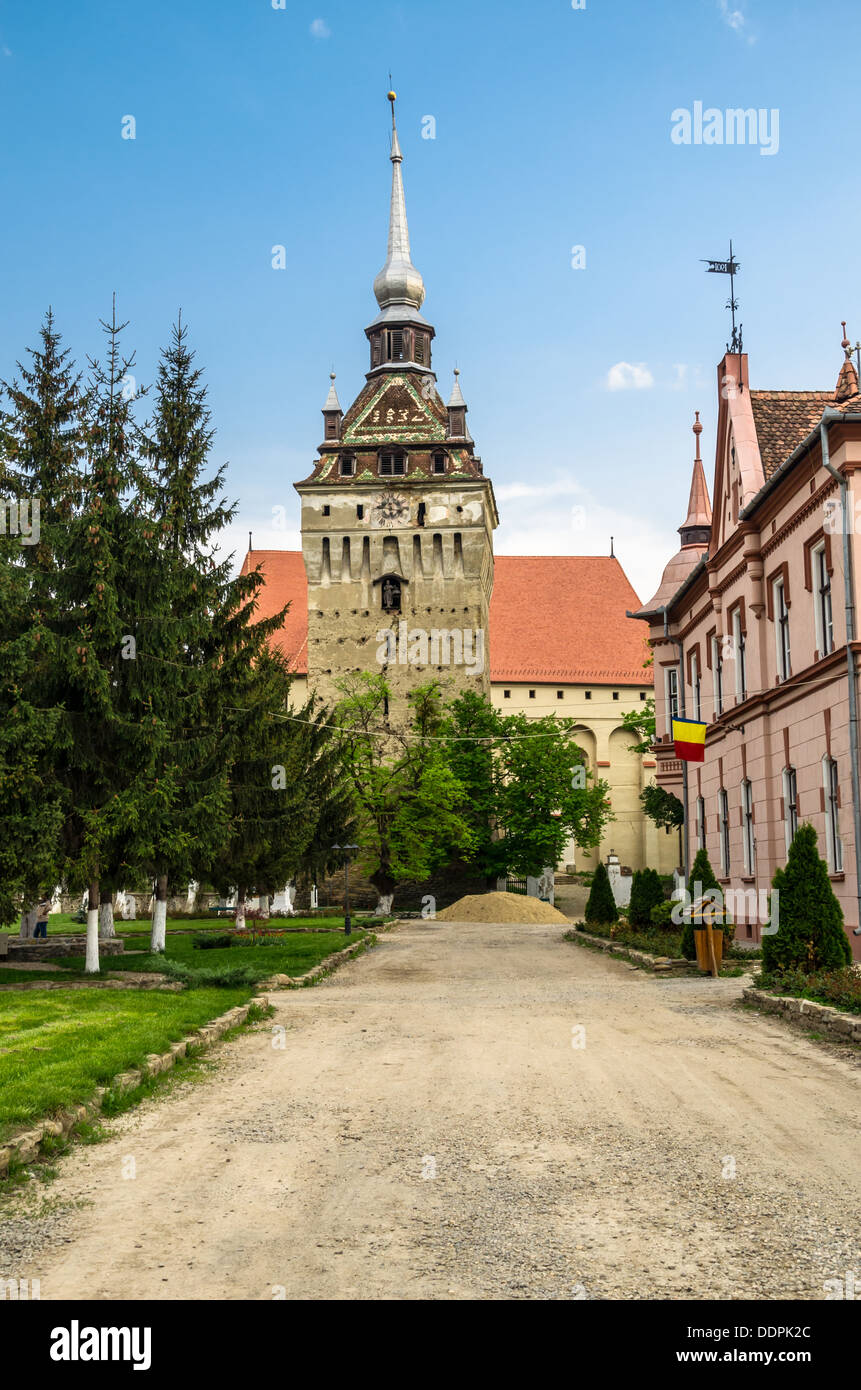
(320, 29)
(7, 52)
(735, 19)
(513, 492)
(629, 376)
(543, 524)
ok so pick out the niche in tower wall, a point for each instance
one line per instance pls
(390, 590)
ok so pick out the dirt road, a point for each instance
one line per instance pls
(430, 1130)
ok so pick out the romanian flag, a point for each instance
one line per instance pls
(689, 736)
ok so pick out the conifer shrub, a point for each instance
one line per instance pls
(646, 892)
(601, 905)
(810, 934)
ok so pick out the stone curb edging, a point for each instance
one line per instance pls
(170, 986)
(24, 1147)
(845, 1028)
(659, 965)
(324, 967)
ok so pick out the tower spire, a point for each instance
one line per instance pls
(696, 527)
(847, 381)
(399, 283)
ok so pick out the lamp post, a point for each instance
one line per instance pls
(346, 850)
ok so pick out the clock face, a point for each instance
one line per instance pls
(391, 510)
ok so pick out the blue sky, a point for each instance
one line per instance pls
(258, 126)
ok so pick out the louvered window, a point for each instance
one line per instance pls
(420, 347)
(392, 465)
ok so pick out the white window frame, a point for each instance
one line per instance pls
(701, 822)
(738, 651)
(723, 818)
(695, 687)
(822, 601)
(783, 646)
(717, 676)
(833, 842)
(790, 805)
(671, 693)
(748, 836)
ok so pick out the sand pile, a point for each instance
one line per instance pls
(500, 907)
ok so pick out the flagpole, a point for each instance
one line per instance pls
(677, 643)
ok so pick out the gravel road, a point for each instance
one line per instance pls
(430, 1130)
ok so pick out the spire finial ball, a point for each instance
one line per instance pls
(392, 97)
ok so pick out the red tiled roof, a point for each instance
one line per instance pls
(553, 618)
(562, 618)
(783, 419)
(286, 582)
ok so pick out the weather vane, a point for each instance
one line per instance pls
(730, 268)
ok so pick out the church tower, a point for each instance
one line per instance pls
(397, 515)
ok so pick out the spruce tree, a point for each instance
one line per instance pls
(810, 934)
(42, 449)
(102, 562)
(31, 806)
(601, 905)
(201, 652)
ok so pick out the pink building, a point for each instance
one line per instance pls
(754, 630)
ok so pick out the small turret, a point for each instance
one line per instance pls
(332, 412)
(457, 409)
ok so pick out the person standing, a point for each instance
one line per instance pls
(42, 910)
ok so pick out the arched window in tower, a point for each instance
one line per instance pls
(392, 464)
(391, 594)
(347, 466)
(420, 516)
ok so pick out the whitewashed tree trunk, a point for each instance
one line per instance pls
(384, 905)
(106, 916)
(263, 904)
(158, 937)
(159, 916)
(28, 922)
(239, 915)
(91, 964)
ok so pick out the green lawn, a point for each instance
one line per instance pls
(286, 955)
(63, 923)
(56, 1047)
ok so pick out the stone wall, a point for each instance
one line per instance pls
(51, 947)
(805, 1013)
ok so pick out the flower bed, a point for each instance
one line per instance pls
(841, 989)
